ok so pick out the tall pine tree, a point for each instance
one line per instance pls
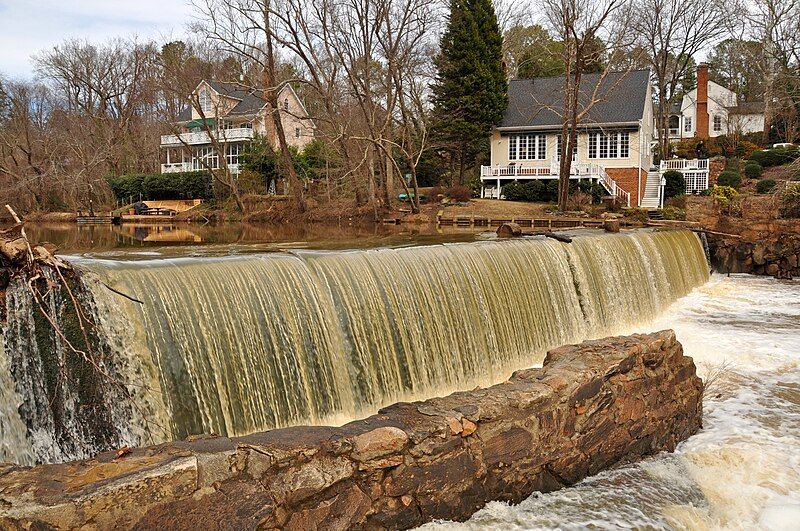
(470, 93)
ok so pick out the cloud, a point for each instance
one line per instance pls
(30, 26)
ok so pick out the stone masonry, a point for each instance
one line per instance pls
(590, 407)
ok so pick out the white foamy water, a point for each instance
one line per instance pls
(742, 471)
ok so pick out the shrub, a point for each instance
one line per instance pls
(723, 194)
(765, 185)
(753, 170)
(775, 156)
(182, 185)
(459, 193)
(513, 191)
(790, 201)
(729, 179)
(534, 190)
(675, 185)
(672, 212)
(551, 191)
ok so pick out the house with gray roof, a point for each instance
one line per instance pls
(615, 139)
(711, 110)
(232, 114)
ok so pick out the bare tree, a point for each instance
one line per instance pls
(579, 24)
(246, 28)
(776, 25)
(672, 32)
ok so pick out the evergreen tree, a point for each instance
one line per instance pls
(470, 91)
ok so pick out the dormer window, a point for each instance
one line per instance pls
(205, 102)
(286, 104)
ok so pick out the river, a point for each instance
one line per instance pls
(742, 471)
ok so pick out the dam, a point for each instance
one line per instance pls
(239, 344)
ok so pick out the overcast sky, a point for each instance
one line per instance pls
(29, 26)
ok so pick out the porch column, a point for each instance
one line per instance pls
(498, 188)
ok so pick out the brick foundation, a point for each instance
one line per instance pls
(628, 179)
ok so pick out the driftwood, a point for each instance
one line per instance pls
(560, 237)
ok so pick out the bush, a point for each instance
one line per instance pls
(671, 212)
(765, 185)
(753, 170)
(534, 190)
(675, 185)
(182, 185)
(775, 156)
(790, 201)
(724, 194)
(459, 193)
(729, 179)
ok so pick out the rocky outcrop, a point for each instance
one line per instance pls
(777, 257)
(756, 241)
(591, 406)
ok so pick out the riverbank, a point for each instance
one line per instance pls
(589, 407)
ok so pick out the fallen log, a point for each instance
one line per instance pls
(509, 230)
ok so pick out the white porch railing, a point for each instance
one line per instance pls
(175, 167)
(201, 137)
(695, 172)
(684, 164)
(578, 170)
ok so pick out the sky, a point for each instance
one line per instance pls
(30, 26)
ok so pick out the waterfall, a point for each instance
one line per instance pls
(240, 344)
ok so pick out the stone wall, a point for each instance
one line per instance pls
(591, 406)
(754, 241)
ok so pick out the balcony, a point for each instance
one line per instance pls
(177, 167)
(201, 137)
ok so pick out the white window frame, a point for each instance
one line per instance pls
(558, 149)
(286, 104)
(232, 152)
(204, 98)
(527, 146)
(297, 132)
(717, 123)
(609, 145)
(687, 124)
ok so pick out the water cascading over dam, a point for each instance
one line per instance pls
(240, 344)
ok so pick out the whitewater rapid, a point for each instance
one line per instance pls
(742, 471)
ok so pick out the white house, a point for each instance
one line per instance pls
(614, 141)
(234, 113)
(711, 110)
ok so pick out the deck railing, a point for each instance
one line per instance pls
(578, 170)
(694, 171)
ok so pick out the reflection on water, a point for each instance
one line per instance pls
(742, 471)
(223, 238)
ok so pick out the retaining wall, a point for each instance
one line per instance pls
(591, 406)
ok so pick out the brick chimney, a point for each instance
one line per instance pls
(702, 101)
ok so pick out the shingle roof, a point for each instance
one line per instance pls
(536, 102)
(249, 101)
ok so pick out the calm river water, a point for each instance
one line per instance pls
(742, 471)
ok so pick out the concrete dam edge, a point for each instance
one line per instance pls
(591, 406)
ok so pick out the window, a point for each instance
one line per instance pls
(687, 124)
(558, 149)
(297, 132)
(527, 147)
(286, 104)
(205, 157)
(232, 154)
(717, 123)
(609, 145)
(206, 104)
